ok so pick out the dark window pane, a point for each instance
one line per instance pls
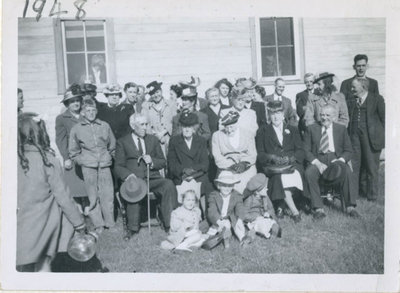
(286, 61)
(76, 68)
(95, 36)
(284, 28)
(269, 66)
(267, 31)
(97, 68)
(74, 36)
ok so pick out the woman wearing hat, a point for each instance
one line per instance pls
(326, 94)
(113, 112)
(248, 117)
(89, 91)
(225, 88)
(279, 146)
(41, 194)
(189, 101)
(159, 113)
(234, 149)
(188, 155)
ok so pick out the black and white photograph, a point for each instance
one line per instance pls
(250, 147)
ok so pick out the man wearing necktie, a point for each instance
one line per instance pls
(134, 152)
(326, 144)
(288, 111)
(367, 134)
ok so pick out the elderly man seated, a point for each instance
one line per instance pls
(134, 153)
(328, 148)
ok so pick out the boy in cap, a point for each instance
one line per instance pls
(259, 212)
(225, 209)
(92, 145)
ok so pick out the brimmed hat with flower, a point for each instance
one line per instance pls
(112, 89)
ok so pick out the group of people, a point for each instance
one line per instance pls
(253, 155)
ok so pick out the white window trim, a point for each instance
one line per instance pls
(85, 49)
(297, 53)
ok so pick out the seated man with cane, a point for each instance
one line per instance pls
(135, 152)
(328, 148)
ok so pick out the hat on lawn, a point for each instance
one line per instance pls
(112, 89)
(231, 118)
(226, 177)
(274, 106)
(322, 76)
(133, 189)
(74, 91)
(188, 119)
(153, 87)
(186, 186)
(332, 173)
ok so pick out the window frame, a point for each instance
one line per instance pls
(61, 64)
(298, 52)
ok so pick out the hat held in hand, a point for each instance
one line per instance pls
(332, 173)
(133, 189)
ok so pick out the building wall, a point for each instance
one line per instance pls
(170, 50)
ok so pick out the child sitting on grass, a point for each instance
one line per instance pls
(225, 209)
(184, 230)
(259, 212)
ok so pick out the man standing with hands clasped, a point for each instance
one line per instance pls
(367, 134)
(328, 149)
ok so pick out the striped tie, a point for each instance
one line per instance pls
(324, 143)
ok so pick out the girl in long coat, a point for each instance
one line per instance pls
(41, 194)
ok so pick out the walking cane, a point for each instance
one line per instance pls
(148, 197)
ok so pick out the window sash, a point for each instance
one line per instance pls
(297, 51)
(85, 52)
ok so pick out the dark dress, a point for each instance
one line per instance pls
(196, 158)
(267, 145)
(73, 177)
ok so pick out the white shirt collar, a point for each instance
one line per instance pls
(276, 97)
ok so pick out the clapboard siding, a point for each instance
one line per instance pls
(175, 49)
(37, 74)
(330, 44)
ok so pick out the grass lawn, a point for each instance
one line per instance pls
(337, 244)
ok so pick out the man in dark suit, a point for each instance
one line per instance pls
(135, 151)
(367, 134)
(360, 66)
(302, 99)
(288, 111)
(328, 144)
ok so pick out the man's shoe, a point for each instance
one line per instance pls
(279, 213)
(319, 214)
(296, 218)
(353, 213)
(129, 234)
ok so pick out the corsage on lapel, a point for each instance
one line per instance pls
(287, 131)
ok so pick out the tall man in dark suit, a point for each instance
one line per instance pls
(367, 133)
(302, 99)
(135, 151)
(288, 111)
(328, 144)
(360, 66)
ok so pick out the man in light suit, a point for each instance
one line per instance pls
(135, 151)
(289, 112)
(360, 66)
(367, 134)
(327, 144)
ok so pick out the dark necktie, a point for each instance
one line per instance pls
(139, 142)
(324, 143)
(359, 101)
